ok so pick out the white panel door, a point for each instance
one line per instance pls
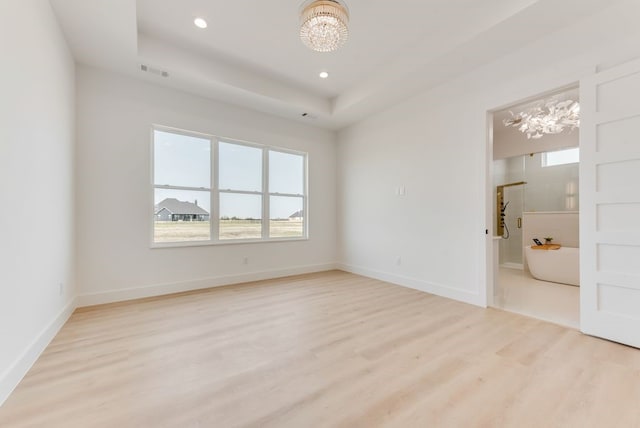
(610, 204)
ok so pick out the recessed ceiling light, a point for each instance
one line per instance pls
(200, 23)
(323, 74)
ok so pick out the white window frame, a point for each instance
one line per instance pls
(215, 191)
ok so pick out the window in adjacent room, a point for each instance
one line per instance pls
(561, 157)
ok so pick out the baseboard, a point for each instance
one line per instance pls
(510, 265)
(14, 374)
(417, 284)
(132, 293)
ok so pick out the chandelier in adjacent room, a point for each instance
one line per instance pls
(323, 24)
(551, 118)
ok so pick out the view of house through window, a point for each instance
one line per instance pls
(182, 187)
(211, 190)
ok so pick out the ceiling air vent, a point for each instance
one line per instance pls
(155, 71)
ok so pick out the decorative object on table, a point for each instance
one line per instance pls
(547, 244)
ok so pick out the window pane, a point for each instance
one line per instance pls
(561, 157)
(240, 216)
(240, 167)
(181, 216)
(180, 160)
(287, 217)
(286, 173)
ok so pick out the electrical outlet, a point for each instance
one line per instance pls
(399, 260)
(60, 289)
(245, 261)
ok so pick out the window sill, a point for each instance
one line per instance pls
(157, 245)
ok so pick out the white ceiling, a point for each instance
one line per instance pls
(251, 55)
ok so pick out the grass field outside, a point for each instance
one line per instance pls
(180, 231)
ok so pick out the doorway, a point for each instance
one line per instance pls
(535, 199)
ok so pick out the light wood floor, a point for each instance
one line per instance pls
(322, 350)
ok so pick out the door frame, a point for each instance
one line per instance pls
(488, 253)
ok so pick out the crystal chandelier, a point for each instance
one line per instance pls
(323, 24)
(552, 118)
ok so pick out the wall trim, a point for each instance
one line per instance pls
(10, 379)
(417, 284)
(112, 296)
(511, 265)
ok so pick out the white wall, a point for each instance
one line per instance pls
(433, 228)
(435, 144)
(36, 185)
(115, 262)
